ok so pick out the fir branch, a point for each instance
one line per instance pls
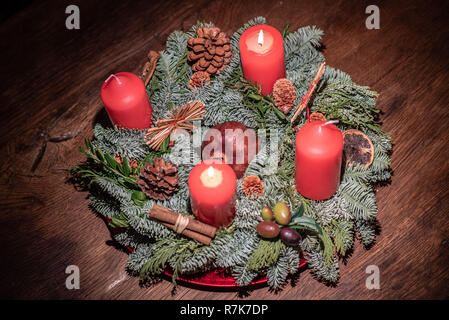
(327, 247)
(122, 142)
(266, 254)
(306, 36)
(106, 207)
(343, 234)
(360, 199)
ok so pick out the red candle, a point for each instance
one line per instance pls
(126, 101)
(212, 193)
(262, 56)
(319, 149)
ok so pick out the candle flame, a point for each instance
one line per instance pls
(260, 38)
(210, 171)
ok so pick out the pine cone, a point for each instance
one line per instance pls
(284, 95)
(160, 181)
(252, 185)
(199, 79)
(211, 50)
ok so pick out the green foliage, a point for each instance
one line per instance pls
(104, 166)
(327, 227)
(266, 254)
(352, 105)
(168, 252)
(254, 101)
(343, 235)
(327, 247)
(121, 142)
(287, 263)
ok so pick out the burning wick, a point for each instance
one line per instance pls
(211, 177)
(260, 38)
(210, 171)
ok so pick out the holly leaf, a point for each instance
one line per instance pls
(111, 161)
(279, 113)
(119, 222)
(255, 97)
(299, 212)
(125, 167)
(164, 145)
(149, 158)
(100, 155)
(306, 223)
(81, 149)
(139, 198)
(89, 145)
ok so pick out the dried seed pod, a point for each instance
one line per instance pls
(199, 79)
(252, 185)
(316, 116)
(284, 95)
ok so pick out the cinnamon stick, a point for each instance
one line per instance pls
(150, 66)
(191, 234)
(305, 100)
(165, 215)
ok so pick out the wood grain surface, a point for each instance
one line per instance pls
(50, 87)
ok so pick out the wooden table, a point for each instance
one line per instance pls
(50, 87)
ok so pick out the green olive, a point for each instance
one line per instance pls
(267, 214)
(282, 213)
(268, 229)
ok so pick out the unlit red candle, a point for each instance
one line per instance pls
(262, 56)
(212, 193)
(319, 149)
(126, 101)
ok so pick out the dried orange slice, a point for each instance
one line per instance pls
(358, 148)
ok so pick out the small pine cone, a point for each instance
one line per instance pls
(252, 185)
(284, 95)
(159, 181)
(199, 79)
(211, 51)
(316, 116)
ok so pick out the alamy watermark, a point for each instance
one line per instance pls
(73, 20)
(72, 282)
(373, 280)
(373, 20)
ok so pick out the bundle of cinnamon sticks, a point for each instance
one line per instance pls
(182, 224)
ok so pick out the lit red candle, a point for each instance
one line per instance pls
(126, 101)
(319, 149)
(212, 193)
(262, 56)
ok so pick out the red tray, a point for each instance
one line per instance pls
(215, 278)
(218, 278)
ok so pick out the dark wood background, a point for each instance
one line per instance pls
(50, 86)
